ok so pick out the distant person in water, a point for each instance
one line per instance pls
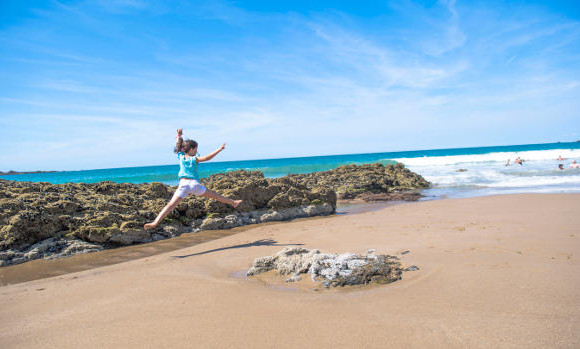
(560, 158)
(189, 178)
(560, 166)
(508, 162)
(519, 161)
(574, 164)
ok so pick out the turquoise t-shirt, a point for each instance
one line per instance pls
(187, 166)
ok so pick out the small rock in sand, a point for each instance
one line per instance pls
(331, 269)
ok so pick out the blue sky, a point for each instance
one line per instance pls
(105, 83)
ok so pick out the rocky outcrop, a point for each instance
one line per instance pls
(106, 214)
(49, 249)
(330, 269)
(262, 216)
(370, 182)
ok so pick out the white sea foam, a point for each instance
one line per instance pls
(490, 157)
(487, 172)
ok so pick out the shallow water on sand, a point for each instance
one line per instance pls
(40, 268)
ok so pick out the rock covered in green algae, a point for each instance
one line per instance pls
(50, 249)
(110, 214)
(368, 181)
(331, 269)
(259, 192)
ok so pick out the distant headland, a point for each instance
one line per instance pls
(19, 172)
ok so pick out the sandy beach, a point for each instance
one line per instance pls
(497, 271)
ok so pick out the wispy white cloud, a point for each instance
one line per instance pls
(63, 8)
(66, 86)
(527, 34)
(282, 84)
(448, 35)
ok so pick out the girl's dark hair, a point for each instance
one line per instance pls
(184, 146)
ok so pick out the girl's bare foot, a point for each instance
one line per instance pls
(150, 226)
(237, 202)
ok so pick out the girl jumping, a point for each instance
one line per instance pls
(189, 178)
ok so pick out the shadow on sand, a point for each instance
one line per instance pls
(261, 242)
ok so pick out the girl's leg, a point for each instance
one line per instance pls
(175, 200)
(213, 195)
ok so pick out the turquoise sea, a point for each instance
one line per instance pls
(483, 169)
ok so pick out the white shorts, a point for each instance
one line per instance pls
(188, 186)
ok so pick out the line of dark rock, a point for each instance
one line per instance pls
(21, 172)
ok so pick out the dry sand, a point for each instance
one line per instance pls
(500, 271)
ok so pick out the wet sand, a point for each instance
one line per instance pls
(498, 271)
(40, 268)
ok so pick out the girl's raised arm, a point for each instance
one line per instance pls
(178, 140)
(212, 155)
